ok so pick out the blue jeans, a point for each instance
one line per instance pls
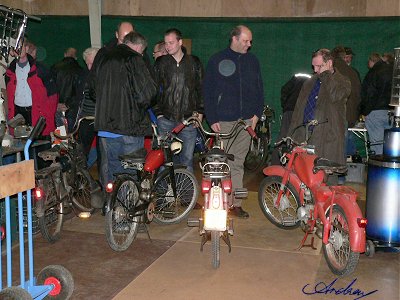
(376, 122)
(187, 135)
(110, 149)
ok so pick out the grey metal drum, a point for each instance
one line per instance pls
(391, 145)
(383, 199)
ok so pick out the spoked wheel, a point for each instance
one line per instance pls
(257, 155)
(285, 215)
(60, 278)
(121, 224)
(215, 248)
(81, 197)
(51, 222)
(15, 293)
(170, 210)
(340, 258)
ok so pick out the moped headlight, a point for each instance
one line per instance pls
(263, 118)
(176, 147)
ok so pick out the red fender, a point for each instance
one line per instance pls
(352, 212)
(280, 171)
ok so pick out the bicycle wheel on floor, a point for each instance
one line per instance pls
(215, 248)
(50, 211)
(171, 210)
(122, 220)
(81, 197)
(257, 155)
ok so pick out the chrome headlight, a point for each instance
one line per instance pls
(176, 147)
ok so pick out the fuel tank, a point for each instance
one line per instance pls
(303, 166)
(154, 160)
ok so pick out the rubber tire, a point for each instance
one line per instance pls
(256, 161)
(370, 248)
(122, 182)
(81, 198)
(267, 182)
(185, 182)
(215, 248)
(328, 249)
(51, 232)
(15, 293)
(64, 277)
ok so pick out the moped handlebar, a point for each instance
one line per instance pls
(69, 135)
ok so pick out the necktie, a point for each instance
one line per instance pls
(309, 110)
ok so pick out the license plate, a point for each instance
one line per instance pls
(215, 219)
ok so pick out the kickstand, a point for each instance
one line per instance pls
(225, 237)
(144, 228)
(204, 238)
(302, 243)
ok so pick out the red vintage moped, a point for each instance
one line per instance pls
(296, 194)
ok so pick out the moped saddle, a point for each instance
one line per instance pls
(328, 166)
(137, 156)
(216, 154)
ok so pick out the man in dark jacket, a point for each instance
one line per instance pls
(179, 79)
(124, 89)
(67, 73)
(323, 98)
(375, 98)
(233, 89)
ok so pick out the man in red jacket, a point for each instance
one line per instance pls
(29, 92)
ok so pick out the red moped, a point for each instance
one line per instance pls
(296, 194)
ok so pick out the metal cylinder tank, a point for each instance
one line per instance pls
(383, 199)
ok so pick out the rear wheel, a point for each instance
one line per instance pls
(171, 210)
(284, 216)
(215, 248)
(338, 254)
(51, 221)
(81, 197)
(122, 220)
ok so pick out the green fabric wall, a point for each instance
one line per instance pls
(283, 46)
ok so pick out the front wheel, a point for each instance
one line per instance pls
(171, 210)
(285, 215)
(258, 154)
(215, 248)
(81, 197)
(122, 220)
(337, 252)
(51, 220)
(60, 278)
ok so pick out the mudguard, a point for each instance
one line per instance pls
(352, 212)
(280, 171)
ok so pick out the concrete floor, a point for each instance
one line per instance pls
(263, 263)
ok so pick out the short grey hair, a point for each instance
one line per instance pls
(135, 38)
(89, 52)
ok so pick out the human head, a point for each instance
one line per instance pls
(159, 50)
(388, 58)
(349, 55)
(373, 58)
(173, 41)
(241, 38)
(322, 61)
(30, 48)
(123, 29)
(70, 52)
(339, 52)
(88, 56)
(135, 41)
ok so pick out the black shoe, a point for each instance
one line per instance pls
(238, 212)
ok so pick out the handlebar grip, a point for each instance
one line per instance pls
(252, 133)
(178, 128)
(38, 128)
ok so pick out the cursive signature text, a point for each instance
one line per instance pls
(322, 288)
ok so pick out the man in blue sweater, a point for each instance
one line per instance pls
(232, 90)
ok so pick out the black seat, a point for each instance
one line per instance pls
(328, 166)
(216, 154)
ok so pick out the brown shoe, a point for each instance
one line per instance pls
(238, 212)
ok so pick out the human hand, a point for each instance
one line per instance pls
(254, 121)
(216, 127)
(200, 117)
(62, 107)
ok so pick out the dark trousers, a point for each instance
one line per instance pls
(26, 112)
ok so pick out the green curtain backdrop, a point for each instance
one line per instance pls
(283, 46)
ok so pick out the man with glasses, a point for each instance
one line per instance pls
(323, 97)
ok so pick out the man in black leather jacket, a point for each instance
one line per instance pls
(179, 78)
(124, 89)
